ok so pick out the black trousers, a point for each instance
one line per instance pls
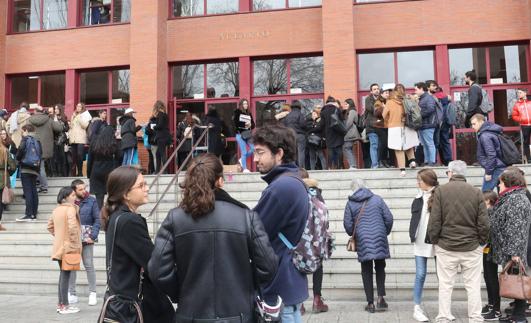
(383, 150)
(526, 132)
(161, 157)
(490, 274)
(59, 161)
(366, 275)
(78, 152)
(318, 281)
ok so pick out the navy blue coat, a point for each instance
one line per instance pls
(283, 207)
(488, 149)
(374, 226)
(428, 111)
(89, 214)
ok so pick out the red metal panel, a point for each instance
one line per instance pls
(245, 5)
(71, 91)
(246, 77)
(73, 13)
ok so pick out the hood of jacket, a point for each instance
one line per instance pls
(125, 118)
(361, 195)
(490, 127)
(38, 119)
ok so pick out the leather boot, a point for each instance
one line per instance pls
(318, 305)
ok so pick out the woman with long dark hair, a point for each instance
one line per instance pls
(78, 138)
(352, 135)
(215, 140)
(131, 245)
(7, 167)
(212, 238)
(59, 165)
(158, 124)
(104, 157)
(243, 125)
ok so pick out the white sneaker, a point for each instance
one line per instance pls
(246, 171)
(72, 299)
(68, 310)
(419, 314)
(93, 299)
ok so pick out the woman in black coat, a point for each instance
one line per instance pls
(215, 140)
(104, 157)
(127, 238)
(159, 131)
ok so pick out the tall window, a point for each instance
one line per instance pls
(186, 8)
(259, 5)
(407, 67)
(104, 87)
(31, 15)
(45, 90)
(97, 12)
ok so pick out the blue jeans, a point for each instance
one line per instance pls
(242, 144)
(493, 183)
(373, 140)
(426, 138)
(291, 314)
(421, 267)
(349, 153)
(128, 156)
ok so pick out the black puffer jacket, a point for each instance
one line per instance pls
(204, 263)
(296, 120)
(128, 132)
(334, 138)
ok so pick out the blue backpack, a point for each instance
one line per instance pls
(33, 154)
(450, 116)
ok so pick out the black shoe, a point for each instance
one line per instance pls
(509, 310)
(492, 315)
(381, 305)
(486, 309)
(42, 190)
(509, 319)
(26, 218)
(370, 308)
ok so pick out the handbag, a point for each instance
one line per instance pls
(120, 308)
(336, 124)
(8, 196)
(315, 140)
(86, 233)
(515, 286)
(246, 134)
(351, 244)
(70, 261)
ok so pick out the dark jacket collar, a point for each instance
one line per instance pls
(223, 196)
(279, 170)
(458, 178)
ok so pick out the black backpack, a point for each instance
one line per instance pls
(510, 154)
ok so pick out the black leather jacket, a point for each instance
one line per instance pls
(203, 264)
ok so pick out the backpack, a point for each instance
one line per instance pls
(413, 116)
(32, 154)
(510, 154)
(314, 245)
(362, 121)
(450, 115)
(486, 106)
(439, 111)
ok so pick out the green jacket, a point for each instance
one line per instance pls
(11, 168)
(458, 219)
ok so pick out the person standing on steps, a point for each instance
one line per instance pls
(243, 126)
(78, 138)
(420, 214)
(89, 214)
(8, 167)
(29, 156)
(370, 220)
(522, 115)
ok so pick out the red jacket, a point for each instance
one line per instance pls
(522, 112)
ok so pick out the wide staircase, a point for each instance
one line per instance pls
(26, 267)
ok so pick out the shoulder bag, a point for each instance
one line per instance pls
(351, 244)
(515, 286)
(120, 308)
(8, 196)
(70, 261)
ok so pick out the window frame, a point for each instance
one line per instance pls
(79, 16)
(109, 87)
(10, 19)
(9, 86)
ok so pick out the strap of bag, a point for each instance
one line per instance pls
(360, 214)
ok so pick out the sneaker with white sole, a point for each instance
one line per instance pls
(93, 299)
(68, 310)
(26, 218)
(419, 314)
(246, 171)
(72, 299)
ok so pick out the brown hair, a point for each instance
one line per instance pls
(490, 196)
(158, 107)
(240, 104)
(28, 128)
(119, 182)
(511, 178)
(478, 117)
(83, 109)
(429, 177)
(199, 185)
(317, 109)
(399, 92)
(303, 173)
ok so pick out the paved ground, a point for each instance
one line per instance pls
(37, 309)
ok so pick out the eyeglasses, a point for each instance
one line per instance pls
(140, 186)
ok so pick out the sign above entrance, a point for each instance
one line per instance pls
(233, 35)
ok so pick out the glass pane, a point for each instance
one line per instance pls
(94, 87)
(223, 80)
(461, 101)
(52, 90)
(259, 5)
(222, 6)
(376, 68)
(508, 64)
(120, 86)
(463, 60)
(55, 14)
(188, 81)
(309, 104)
(96, 12)
(266, 110)
(270, 77)
(504, 101)
(115, 114)
(24, 89)
(184, 8)
(466, 147)
(307, 75)
(196, 108)
(415, 67)
(26, 15)
(303, 3)
(225, 112)
(122, 11)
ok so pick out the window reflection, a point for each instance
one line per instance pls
(309, 104)
(376, 68)
(304, 3)
(270, 77)
(54, 14)
(508, 63)
(268, 4)
(307, 75)
(188, 81)
(94, 87)
(504, 101)
(52, 90)
(460, 100)
(414, 67)
(24, 89)
(120, 86)
(466, 59)
(122, 10)
(97, 12)
(223, 80)
(26, 15)
(222, 6)
(266, 111)
(185, 8)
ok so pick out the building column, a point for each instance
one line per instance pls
(339, 49)
(148, 64)
(3, 31)
(71, 91)
(442, 62)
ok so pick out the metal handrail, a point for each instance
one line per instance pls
(177, 173)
